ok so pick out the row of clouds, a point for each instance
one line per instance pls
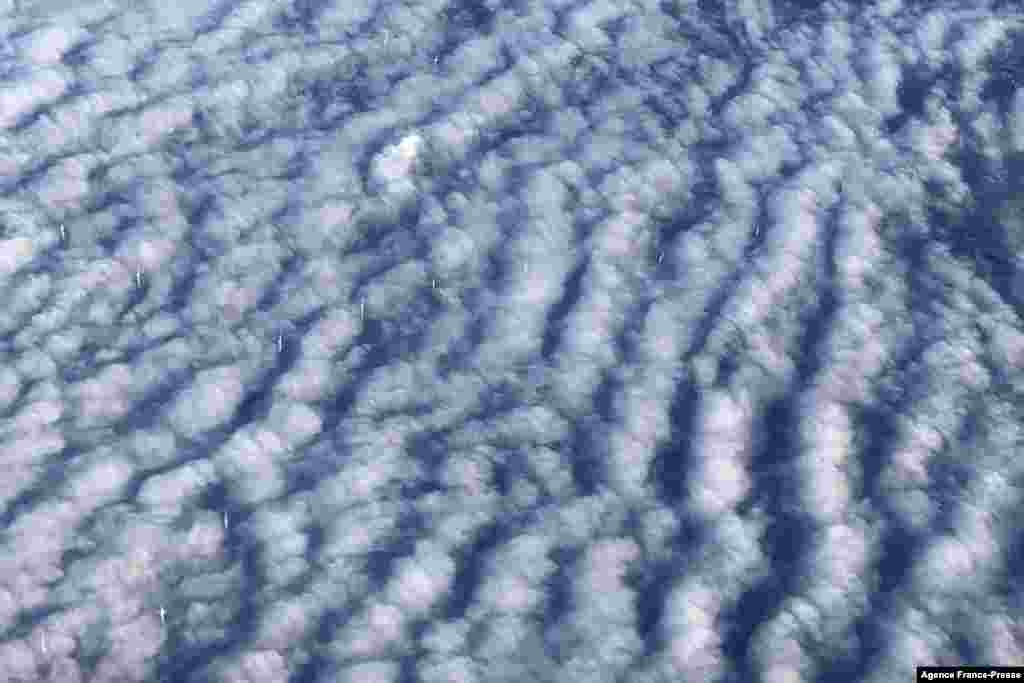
(524, 341)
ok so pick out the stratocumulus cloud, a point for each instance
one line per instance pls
(465, 341)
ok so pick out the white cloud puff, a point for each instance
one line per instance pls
(208, 402)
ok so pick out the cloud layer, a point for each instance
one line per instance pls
(482, 341)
